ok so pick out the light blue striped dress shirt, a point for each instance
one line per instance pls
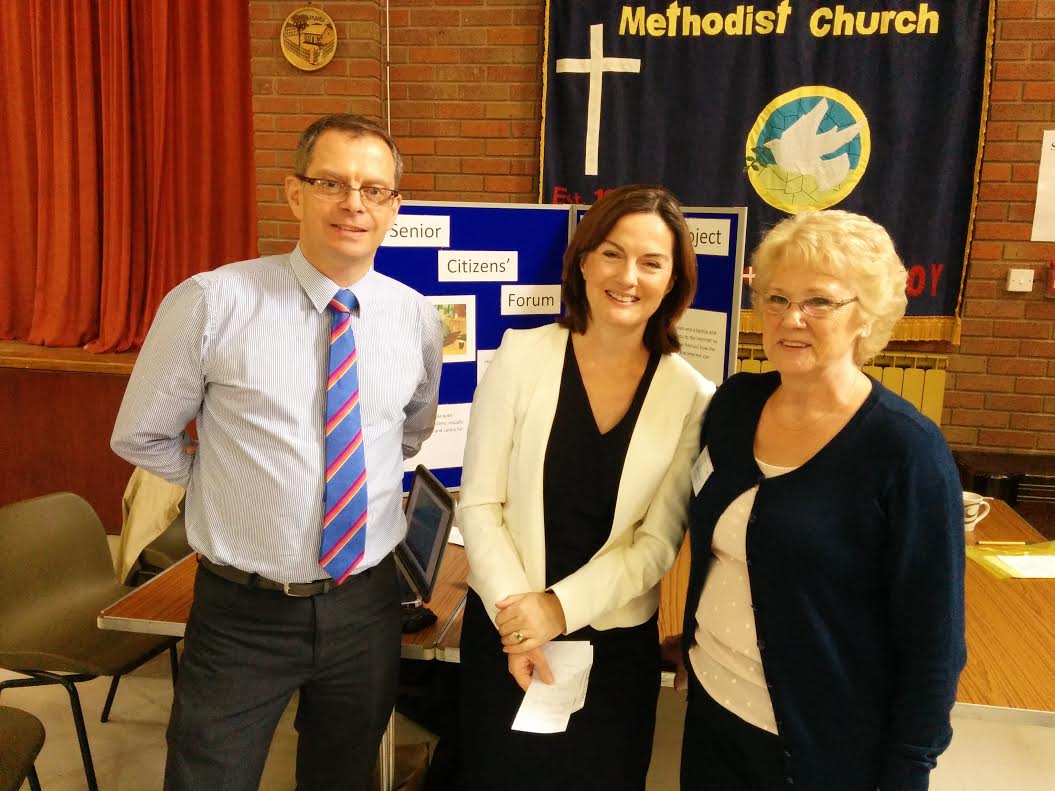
(243, 350)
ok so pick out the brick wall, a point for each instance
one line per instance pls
(1001, 390)
(465, 82)
(466, 91)
(466, 97)
(286, 99)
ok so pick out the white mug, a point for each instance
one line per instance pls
(975, 508)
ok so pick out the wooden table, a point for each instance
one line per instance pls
(162, 604)
(1010, 633)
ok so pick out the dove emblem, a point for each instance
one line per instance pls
(808, 149)
(802, 148)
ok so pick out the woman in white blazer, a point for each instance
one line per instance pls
(573, 502)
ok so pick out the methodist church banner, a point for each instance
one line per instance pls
(782, 106)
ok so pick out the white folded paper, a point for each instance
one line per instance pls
(548, 707)
(1028, 566)
(456, 537)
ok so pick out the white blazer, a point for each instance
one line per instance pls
(501, 502)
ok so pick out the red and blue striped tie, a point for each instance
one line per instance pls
(344, 520)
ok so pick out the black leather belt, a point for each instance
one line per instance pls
(299, 589)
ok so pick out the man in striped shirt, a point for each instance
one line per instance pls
(244, 351)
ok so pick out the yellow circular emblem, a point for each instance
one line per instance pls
(309, 38)
(808, 149)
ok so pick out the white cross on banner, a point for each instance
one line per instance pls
(596, 65)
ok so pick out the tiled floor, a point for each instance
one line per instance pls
(129, 751)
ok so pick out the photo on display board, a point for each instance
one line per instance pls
(459, 326)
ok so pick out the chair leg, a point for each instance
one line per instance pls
(110, 698)
(82, 734)
(42, 678)
(34, 781)
(174, 661)
(39, 678)
(12, 683)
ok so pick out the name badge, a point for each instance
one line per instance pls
(701, 471)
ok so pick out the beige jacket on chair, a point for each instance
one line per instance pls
(149, 506)
(501, 505)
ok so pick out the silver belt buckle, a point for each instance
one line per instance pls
(286, 590)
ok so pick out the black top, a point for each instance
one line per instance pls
(582, 469)
(857, 563)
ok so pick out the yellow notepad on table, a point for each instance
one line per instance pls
(1028, 561)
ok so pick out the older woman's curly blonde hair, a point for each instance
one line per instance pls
(846, 246)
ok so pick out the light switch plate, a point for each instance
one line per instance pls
(1020, 280)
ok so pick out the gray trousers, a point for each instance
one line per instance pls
(247, 650)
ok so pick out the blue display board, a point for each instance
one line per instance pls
(465, 237)
(492, 267)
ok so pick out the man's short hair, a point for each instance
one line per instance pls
(354, 125)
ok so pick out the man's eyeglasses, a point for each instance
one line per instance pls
(817, 307)
(333, 190)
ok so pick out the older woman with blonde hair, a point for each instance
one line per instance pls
(824, 631)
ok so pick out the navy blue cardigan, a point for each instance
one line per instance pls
(856, 566)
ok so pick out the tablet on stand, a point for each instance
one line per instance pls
(430, 514)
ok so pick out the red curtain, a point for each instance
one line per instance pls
(129, 133)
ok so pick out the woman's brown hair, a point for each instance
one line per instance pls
(661, 334)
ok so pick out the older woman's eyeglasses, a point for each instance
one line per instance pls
(817, 307)
(333, 190)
